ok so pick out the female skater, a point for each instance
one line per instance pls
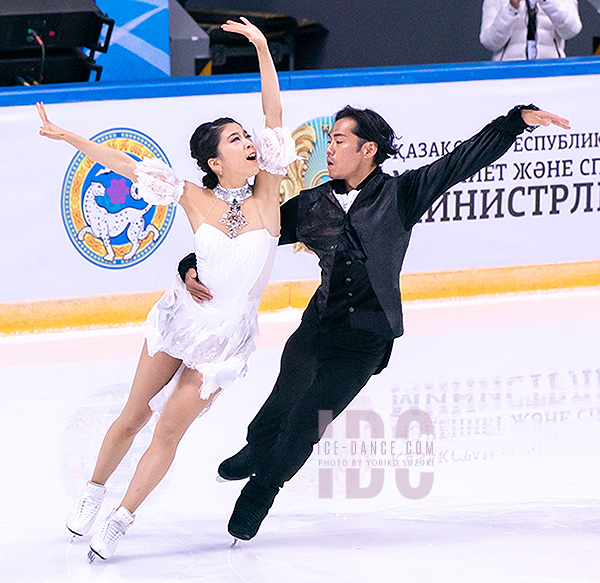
(236, 229)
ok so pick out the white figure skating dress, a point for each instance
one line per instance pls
(215, 337)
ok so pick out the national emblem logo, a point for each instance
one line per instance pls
(106, 219)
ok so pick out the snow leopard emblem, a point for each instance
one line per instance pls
(106, 219)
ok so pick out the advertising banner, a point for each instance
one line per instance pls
(83, 232)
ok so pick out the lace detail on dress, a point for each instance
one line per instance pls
(157, 183)
(276, 149)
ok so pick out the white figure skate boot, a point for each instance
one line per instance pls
(104, 542)
(86, 509)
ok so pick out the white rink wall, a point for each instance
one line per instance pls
(539, 204)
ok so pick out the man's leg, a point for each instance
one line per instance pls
(298, 368)
(347, 359)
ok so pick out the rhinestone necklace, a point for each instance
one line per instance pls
(233, 219)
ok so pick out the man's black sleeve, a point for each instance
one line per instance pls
(186, 263)
(289, 221)
(418, 189)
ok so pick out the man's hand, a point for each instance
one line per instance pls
(542, 118)
(198, 291)
(515, 3)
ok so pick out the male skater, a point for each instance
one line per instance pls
(359, 225)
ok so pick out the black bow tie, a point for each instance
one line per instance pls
(339, 186)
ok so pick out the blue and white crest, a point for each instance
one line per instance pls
(105, 218)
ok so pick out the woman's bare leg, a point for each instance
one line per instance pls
(152, 374)
(182, 408)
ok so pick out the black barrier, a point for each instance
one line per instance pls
(41, 42)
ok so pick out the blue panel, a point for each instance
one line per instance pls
(249, 83)
(444, 73)
(139, 48)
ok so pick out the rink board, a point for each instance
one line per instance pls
(538, 205)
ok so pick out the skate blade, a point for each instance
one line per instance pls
(221, 480)
(235, 542)
(74, 534)
(92, 556)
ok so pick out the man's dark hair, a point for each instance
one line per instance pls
(371, 127)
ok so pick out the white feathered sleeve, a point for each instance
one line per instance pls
(157, 183)
(276, 149)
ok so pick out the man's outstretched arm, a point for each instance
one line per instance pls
(420, 188)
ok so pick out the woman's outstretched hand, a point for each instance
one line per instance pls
(48, 129)
(247, 29)
(117, 161)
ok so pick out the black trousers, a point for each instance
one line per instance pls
(320, 371)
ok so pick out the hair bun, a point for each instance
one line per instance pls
(204, 145)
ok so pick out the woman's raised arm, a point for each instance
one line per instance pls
(118, 162)
(271, 101)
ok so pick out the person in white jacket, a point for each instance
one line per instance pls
(528, 29)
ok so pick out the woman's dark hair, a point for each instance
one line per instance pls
(204, 145)
(371, 127)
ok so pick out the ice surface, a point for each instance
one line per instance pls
(511, 384)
